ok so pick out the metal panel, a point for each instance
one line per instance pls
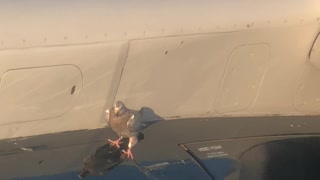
(181, 76)
(243, 78)
(34, 94)
(100, 66)
(175, 76)
(306, 97)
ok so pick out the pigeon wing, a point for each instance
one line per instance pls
(107, 115)
(134, 124)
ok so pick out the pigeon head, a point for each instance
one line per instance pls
(119, 107)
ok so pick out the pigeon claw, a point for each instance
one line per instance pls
(115, 143)
(128, 153)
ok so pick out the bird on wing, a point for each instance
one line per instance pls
(126, 123)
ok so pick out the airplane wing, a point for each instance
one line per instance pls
(232, 81)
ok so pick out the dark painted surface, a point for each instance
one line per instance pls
(180, 170)
(273, 157)
(62, 154)
(121, 172)
(294, 159)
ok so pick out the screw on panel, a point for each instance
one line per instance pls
(166, 52)
(301, 20)
(318, 19)
(181, 43)
(73, 89)
(23, 41)
(269, 22)
(65, 38)
(285, 21)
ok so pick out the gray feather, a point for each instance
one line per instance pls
(107, 117)
(135, 124)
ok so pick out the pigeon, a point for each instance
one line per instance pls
(126, 123)
(105, 158)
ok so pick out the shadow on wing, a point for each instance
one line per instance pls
(105, 158)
